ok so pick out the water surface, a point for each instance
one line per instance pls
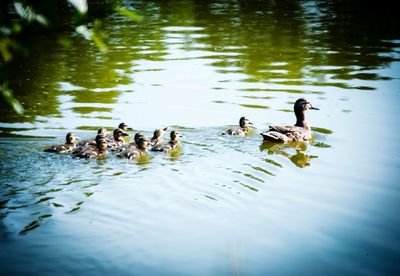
(218, 204)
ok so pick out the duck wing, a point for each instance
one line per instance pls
(63, 148)
(293, 133)
(284, 129)
(275, 136)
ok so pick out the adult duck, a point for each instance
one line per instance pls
(301, 131)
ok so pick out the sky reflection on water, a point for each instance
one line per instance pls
(219, 205)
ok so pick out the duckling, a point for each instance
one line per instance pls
(243, 130)
(99, 151)
(133, 144)
(70, 144)
(124, 127)
(118, 139)
(157, 136)
(137, 136)
(301, 131)
(172, 144)
(101, 133)
(91, 144)
(139, 150)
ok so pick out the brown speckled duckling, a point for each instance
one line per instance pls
(99, 151)
(118, 139)
(124, 127)
(301, 131)
(243, 128)
(172, 144)
(91, 144)
(69, 146)
(135, 151)
(157, 136)
(101, 133)
(133, 144)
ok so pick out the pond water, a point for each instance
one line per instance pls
(218, 204)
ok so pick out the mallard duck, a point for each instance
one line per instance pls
(90, 152)
(301, 131)
(124, 127)
(91, 144)
(157, 136)
(133, 144)
(172, 144)
(101, 133)
(70, 144)
(118, 139)
(135, 151)
(242, 130)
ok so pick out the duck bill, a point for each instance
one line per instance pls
(165, 128)
(125, 134)
(130, 129)
(314, 108)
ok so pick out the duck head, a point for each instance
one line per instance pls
(138, 136)
(71, 138)
(159, 132)
(124, 127)
(175, 135)
(300, 106)
(102, 144)
(244, 122)
(102, 131)
(118, 134)
(143, 143)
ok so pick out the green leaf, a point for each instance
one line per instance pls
(7, 94)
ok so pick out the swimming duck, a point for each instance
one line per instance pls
(89, 152)
(135, 151)
(133, 144)
(70, 144)
(118, 139)
(157, 136)
(101, 133)
(172, 144)
(301, 131)
(91, 144)
(242, 130)
(124, 127)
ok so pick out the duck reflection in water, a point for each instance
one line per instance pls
(300, 157)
